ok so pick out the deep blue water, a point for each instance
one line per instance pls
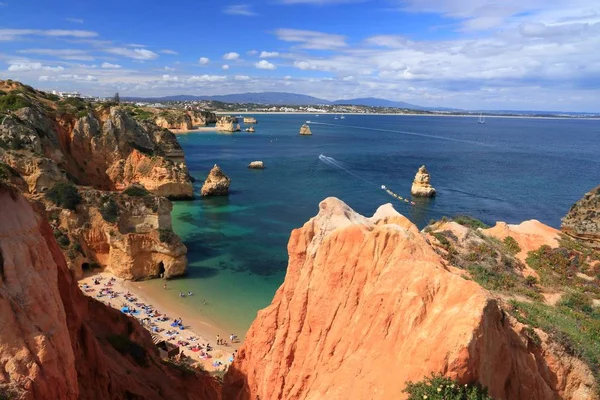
(507, 169)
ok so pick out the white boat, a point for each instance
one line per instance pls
(308, 122)
(342, 116)
(481, 119)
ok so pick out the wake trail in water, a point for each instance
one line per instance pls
(407, 133)
(336, 164)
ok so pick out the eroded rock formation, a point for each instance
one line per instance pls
(367, 305)
(256, 165)
(226, 123)
(216, 183)
(56, 343)
(421, 186)
(583, 220)
(305, 130)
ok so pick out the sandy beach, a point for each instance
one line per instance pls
(195, 332)
(195, 129)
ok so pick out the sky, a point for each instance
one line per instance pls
(472, 54)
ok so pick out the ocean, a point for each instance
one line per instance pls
(508, 169)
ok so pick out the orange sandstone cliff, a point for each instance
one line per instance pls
(56, 343)
(368, 305)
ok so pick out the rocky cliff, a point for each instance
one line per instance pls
(583, 220)
(226, 123)
(369, 304)
(56, 343)
(96, 151)
(305, 130)
(216, 183)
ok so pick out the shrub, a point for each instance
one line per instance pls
(110, 211)
(531, 280)
(16, 143)
(577, 301)
(61, 238)
(167, 235)
(64, 194)
(470, 222)
(13, 102)
(532, 336)
(511, 245)
(438, 387)
(124, 345)
(136, 191)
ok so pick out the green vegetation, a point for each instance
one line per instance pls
(502, 280)
(167, 236)
(7, 172)
(126, 346)
(512, 246)
(12, 102)
(438, 387)
(64, 194)
(470, 222)
(136, 191)
(110, 210)
(61, 238)
(577, 331)
(141, 114)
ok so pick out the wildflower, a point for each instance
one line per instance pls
(424, 396)
(439, 389)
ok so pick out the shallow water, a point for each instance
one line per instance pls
(506, 169)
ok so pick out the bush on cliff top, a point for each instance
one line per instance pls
(470, 222)
(438, 387)
(64, 194)
(13, 102)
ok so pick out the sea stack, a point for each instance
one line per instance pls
(305, 130)
(256, 165)
(225, 123)
(583, 220)
(216, 184)
(421, 186)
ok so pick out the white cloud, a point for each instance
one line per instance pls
(74, 20)
(203, 61)
(231, 56)
(240, 9)
(207, 78)
(264, 64)
(303, 65)
(268, 54)
(242, 78)
(167, 68)
(170, 78)
(108, 65)
(348, 78)
(169, 51)
(287, 77)
(320, 2)
(225, 67)
(66, 54)
(76, 77)
(44, 78)
(312, 39)
(14, 34)
(136, 54)
(33, 66)
(252, 52)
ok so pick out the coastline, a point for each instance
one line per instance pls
(168, 303)
(195, 129)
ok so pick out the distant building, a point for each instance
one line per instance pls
(66, 95)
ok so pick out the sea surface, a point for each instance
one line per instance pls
(507, 169)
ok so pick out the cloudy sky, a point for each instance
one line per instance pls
(479, 54)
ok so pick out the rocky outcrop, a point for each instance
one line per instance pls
(128, 235)
(530, 235)
(366, 296)
(56, 343)
(421, 186)
(256, 165)
(226, 123)
(202, 118)
(216, 183)
(180, 121)
(250, 120)
(583, 219)
(305, 130)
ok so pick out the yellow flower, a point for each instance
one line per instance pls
(439, 389)
(424, 396)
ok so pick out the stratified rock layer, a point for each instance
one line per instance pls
(216, 183)
(56, 343)
(421, 186)
(583, 220)
(367, 305)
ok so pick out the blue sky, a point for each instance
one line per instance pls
(510, 54)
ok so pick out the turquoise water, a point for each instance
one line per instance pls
(507, 169)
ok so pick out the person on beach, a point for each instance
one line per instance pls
(165, 286)
(218, 339)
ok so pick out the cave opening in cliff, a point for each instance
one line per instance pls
(161, 269)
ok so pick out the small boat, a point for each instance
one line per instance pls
(308, 122)
(342, 116)
(481, 119)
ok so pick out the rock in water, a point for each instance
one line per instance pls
(305, 130)
(421, 186)
(256, 165)
(583, 219)
(216, 184)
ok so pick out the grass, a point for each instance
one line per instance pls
(558, 267)
(64, 194)
(512, 246)
(577, 331)
(470, 222)
(13, 102)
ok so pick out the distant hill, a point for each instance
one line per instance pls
(275, 98)
(375, 102)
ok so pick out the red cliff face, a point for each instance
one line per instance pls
(368, 305)
(56, 343)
